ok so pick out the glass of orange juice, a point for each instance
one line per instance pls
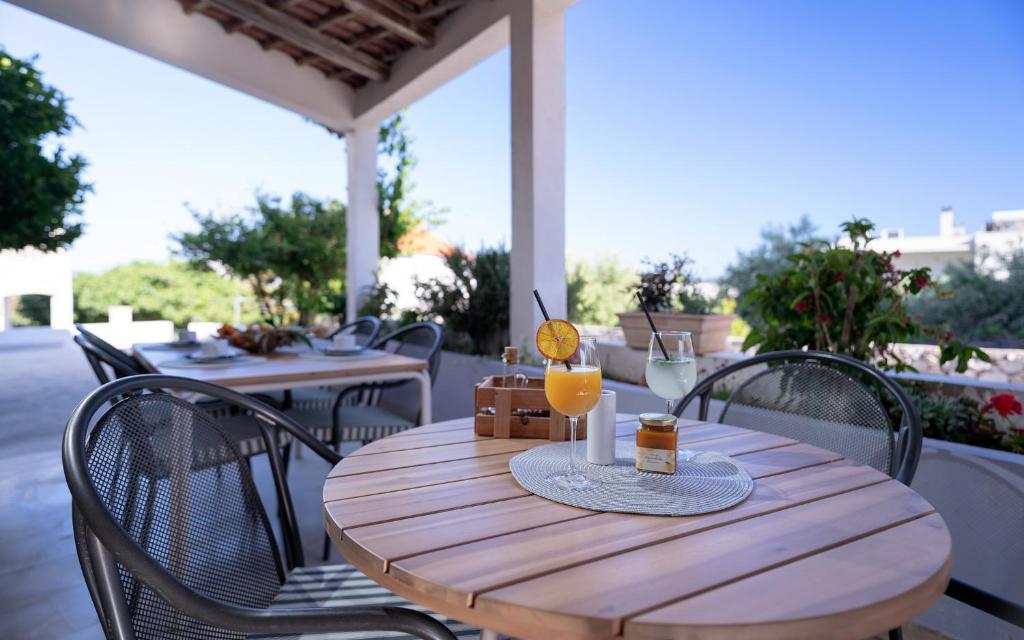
(572, 391)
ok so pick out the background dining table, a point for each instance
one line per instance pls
(823, 547)
(293, 370)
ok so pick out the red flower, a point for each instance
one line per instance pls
(1004, 404)
(921, 282)
(839, 277)
(803, 306)
(897, 254)
(822, 319)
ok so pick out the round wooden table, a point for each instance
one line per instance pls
(824, 547)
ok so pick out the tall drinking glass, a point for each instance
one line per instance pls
(573, 392)
(673, 377)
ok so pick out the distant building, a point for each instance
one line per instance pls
(422, 259)
(953, 244)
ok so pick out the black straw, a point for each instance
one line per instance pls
(544, 312)
(654, 330)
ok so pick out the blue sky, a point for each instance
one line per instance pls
(702, 121)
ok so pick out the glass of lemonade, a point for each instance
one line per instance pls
(673, 377)
(573, 391)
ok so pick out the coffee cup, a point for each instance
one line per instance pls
(344, 341)
(214, 348)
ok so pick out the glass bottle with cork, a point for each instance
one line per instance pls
(510, 369)
(656, 443)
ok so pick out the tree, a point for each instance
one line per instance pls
(598, 290)
(293, 257)
(771, 256)
(41, 193)
(399, 214)
(985, 309)
(174, 292)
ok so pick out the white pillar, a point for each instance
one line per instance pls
(537, 35)
(362, 221)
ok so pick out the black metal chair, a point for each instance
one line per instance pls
(828, 400)
(356, 413)
(107, 366)
(365, 329)
(120, 362)
(172, 545)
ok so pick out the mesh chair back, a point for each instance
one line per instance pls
(417, 340)
(365, 329)
(100, 362)
(828, 400)
(819, 405)
(112, 353)
(198, 516)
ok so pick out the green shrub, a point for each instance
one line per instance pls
(473, 305)
(844, 298)
(597, 291)
(174, 292)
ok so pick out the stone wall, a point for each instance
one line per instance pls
(1007, 364)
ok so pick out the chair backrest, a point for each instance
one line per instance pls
(417, 340)
(111, 355)
(146, 490)
(828, 400)
(99, 359)
(365, 329)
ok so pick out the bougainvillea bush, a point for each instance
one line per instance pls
(844, 297)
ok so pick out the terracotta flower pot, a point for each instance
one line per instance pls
(709, 332)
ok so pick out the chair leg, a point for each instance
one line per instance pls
(896, 634)
(327, 547)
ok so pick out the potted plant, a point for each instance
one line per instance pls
(676, 304)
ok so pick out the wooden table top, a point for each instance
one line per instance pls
(823, 547)
(279, 368)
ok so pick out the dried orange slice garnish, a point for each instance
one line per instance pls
(557, 339)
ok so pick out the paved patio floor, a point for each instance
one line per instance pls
(42, 595)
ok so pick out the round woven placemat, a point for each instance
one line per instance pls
(703, 482)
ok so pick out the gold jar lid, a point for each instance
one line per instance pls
(662, 421)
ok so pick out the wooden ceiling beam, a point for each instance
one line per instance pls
(395, 18)
(284, 26)
(330, 18)
(440, 8)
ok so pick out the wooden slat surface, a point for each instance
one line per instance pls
(434, 515)
(278, 368)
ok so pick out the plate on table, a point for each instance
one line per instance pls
(199, 358)
(331, 350)
(185, 362)
(174, 345)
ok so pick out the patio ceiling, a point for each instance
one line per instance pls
(353, 41)
(350, 64)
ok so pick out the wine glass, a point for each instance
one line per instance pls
(573, 391)
(671, 366)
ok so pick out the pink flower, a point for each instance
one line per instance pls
(921, 282)
(897, 254)
(1004, 404)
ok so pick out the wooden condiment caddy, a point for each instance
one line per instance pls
(518, 411)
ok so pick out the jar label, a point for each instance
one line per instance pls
(660, 460)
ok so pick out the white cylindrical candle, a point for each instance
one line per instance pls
(601, 430)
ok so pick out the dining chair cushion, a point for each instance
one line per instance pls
(358, 423)
(342, 585)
